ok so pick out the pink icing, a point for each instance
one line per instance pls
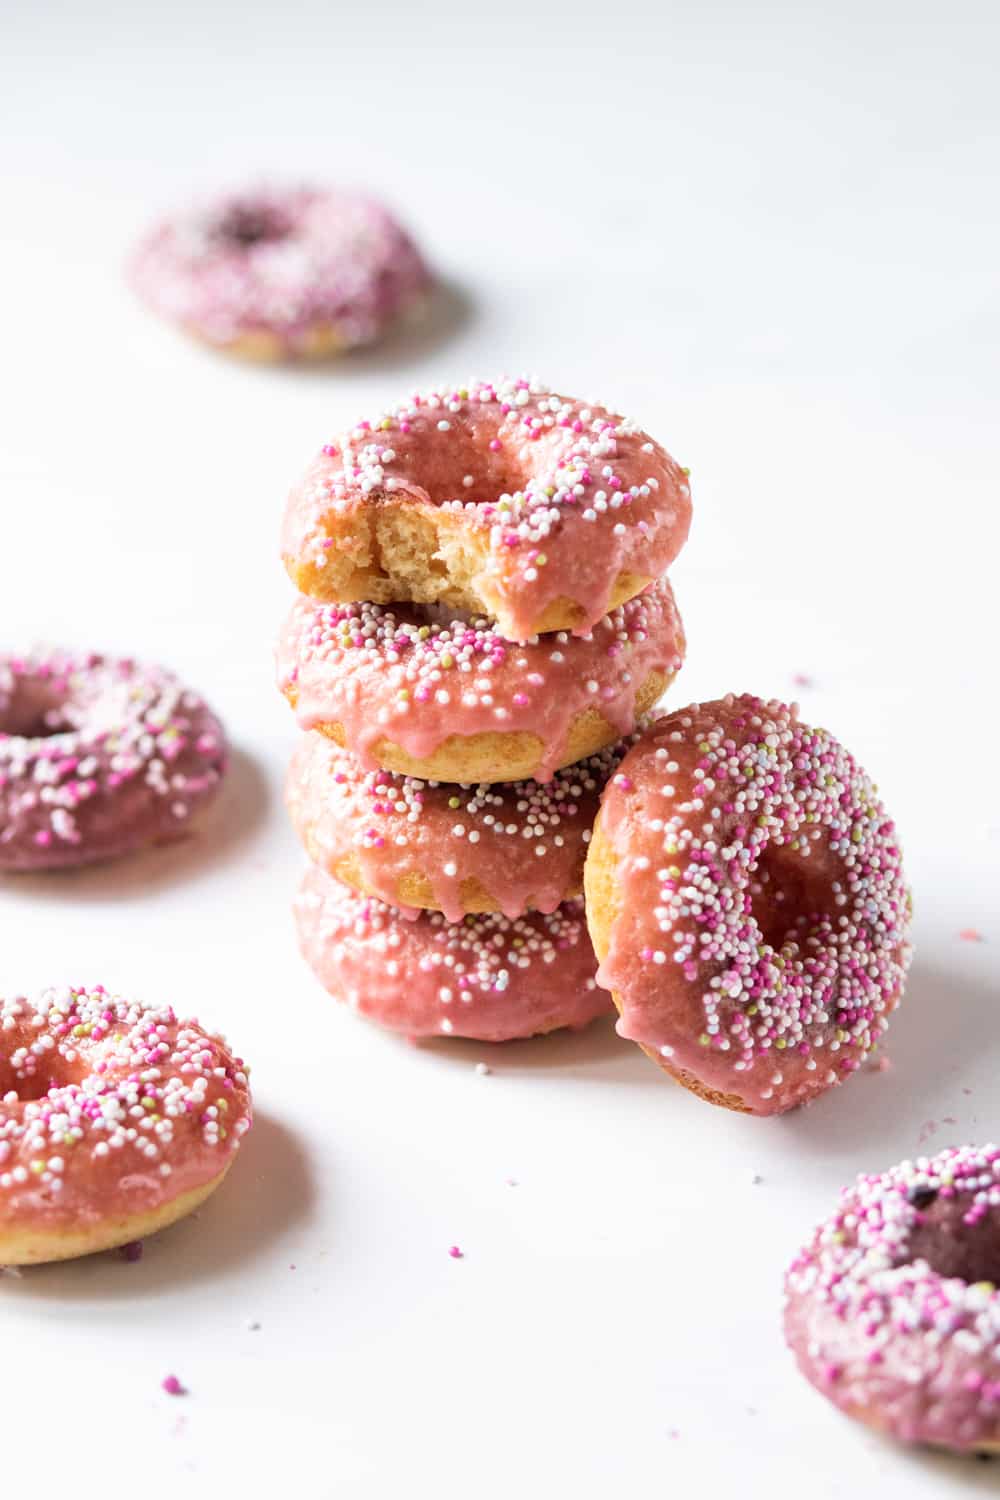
(762, 938)
(523, 841)
(892, 1309)
(566, 494)
(282, 262)
(417, 676)
(109, 1108)
(486, 977)
(97, 757)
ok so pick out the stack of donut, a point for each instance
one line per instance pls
(483, 620)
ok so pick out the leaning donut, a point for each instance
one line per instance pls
(116, 1119)
(506, 500)
(486, 977)
(892, 1309)
(448, 699)
(281, 274)
(98, 756)
(745, 895)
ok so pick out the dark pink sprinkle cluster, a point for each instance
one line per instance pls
(97, 753)
(287, 262)
(892, 1308)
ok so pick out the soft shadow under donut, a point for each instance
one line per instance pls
(268, 1191)
(596, 1051)
(233, 818)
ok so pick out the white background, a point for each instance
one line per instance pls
(771, 234)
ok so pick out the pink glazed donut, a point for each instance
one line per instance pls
(486, 978)
(116, 1119)
(277, 274)
(892, 1309)
(512, 846)
(540, 511)
(426, 693)
(98, 756)
(746, 898)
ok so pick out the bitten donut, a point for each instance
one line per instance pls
(513, 847)
(487, 978)
(281, 274)
(116, 1119)
(98, 756)
(892, 1309)
(746, 898)
(448, 699)
(536, 510)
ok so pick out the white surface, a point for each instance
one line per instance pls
(773, 237)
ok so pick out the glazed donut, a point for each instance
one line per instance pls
(892, 1309)
(116, 1119)
(426, 694)
(512, 847)
(486, 978)
(505, 500)
(746, 898)
(281, 274)
(98, 756)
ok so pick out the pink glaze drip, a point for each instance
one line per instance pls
(523, 841)
(109, 1108)
(567, 494)
(97, 757)
(892, 1309)
(417, 677)
(762, 938)
(284, 263)
(486, 977)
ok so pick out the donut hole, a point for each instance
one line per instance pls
(463, 466)
(34, 710)
(31, 1083)
(948, 1244)
(244, 225)
(786, 897)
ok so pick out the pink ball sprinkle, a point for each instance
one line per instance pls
(455, 1252)
(173, 1387)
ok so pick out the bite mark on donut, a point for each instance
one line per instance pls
(541, 511)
